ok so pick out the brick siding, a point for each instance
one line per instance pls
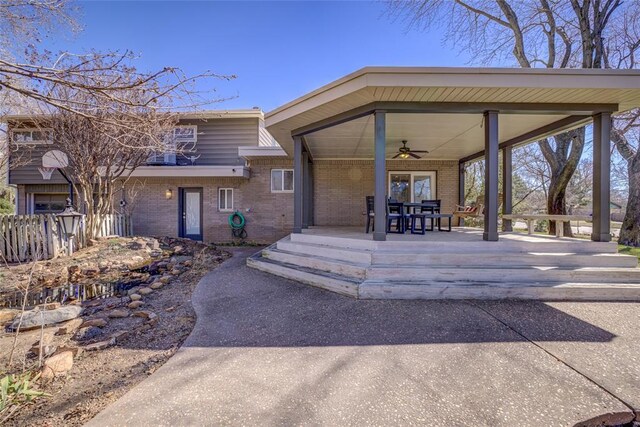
(340, 187)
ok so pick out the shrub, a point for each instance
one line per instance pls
(6, 207)
(15, 391)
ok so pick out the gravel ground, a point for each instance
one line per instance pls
(98, 378)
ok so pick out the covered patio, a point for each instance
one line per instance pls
(453, 116)
(348, 138)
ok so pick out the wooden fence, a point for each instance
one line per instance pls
(25, 237)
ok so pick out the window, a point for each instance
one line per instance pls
(414, 186)
(225, 199)
(49, 203)
(281, 180)
(185, 133)
(32, 136)
(181, 135)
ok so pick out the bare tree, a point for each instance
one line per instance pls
(106, 115)
(29, 74)
(534, 33)
(106, 139)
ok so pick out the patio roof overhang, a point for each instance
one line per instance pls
(440, 109)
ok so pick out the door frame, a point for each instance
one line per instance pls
(182, 191)
(412, 173)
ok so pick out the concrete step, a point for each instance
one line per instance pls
(361, 256)
(331, 282)
(329, 265)
(401, 259)
(338, 242)
(372, 289)
(527, 275)
(505, 245)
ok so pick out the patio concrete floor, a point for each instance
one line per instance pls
(268, 351)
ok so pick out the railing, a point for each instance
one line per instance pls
(28, 237)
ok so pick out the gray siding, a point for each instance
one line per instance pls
(219, 139)
(29, 174)
(218, 142)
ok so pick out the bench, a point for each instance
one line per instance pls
(558, 219)
(423, 216)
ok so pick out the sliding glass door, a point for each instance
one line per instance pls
(413, 186)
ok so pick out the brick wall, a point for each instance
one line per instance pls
(269, 215)
(340, 187)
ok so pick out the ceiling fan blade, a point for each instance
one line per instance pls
(415, 156)
(396, 156)
(419, 151)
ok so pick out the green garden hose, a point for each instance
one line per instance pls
(237, 222)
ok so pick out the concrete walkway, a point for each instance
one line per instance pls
(267, 351)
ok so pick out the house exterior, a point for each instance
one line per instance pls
(237, 166)
(341, 143)
(192, 194)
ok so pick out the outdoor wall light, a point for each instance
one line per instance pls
(69, 220)
(168, 194)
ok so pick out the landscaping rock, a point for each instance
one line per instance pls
(49, 306)
(144, 314)
(47, 350)
(133, 290)
(118, 314)
(101, 345)
(99, 322)
(153, 244)
(119, 335)
(135, 304)
(7, 315)
(145, 291)
(136, 245)
(36, 318)
(166, 279)
(135, 297)
(155, 253)
(152, 318)
(86, 334)
(70, 327)
(77, 351)
(58, 364)
(176, 272)
(156, 285)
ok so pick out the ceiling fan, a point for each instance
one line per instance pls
(405, 152)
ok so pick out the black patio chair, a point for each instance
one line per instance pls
(370, 213)
(396, 212)
(433, 206)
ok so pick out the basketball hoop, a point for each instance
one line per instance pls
(52, 160)
(46, 172)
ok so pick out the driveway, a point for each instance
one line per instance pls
(268, 351)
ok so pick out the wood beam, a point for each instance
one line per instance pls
(556, 127)
(455, 107)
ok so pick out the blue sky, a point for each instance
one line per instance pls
(277, 50)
